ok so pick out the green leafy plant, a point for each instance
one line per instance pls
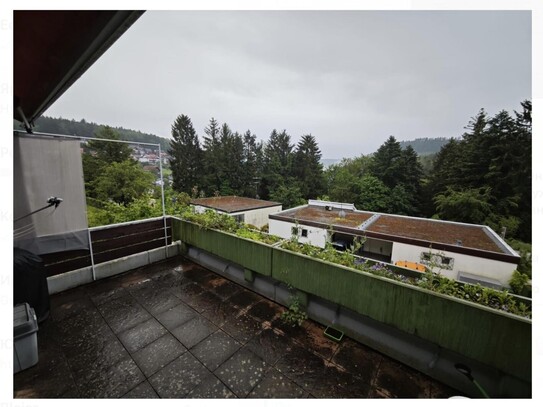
(518, 282)
(294, 315)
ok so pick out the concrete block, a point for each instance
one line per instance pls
(236, 274)
(71, 279)
(174, 249)
(118, 266)
(265, 286)
(282, 294)
(249, 275)
(321, 310)
(302, 297)
(156, 255)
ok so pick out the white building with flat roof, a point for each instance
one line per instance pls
(247, 210)
(460, 251)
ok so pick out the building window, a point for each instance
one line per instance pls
(239, 218)
(446, 261)
(294, 231)
(304, 232)
(426, 257)
(437, 260)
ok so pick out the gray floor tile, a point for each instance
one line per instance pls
(102, 292)
(176, 316)
(123, 313)
(266, 311)
(244, 299)
(242, 327)
(116, 381)
(338, 383)
(159, 302)
(215, 349)
(142, 391)
(211, 388)
(171, 280)
(302, 366)
(315, 340)
(242, 372)
(277, 385)
(158, 354)
(84, 322)
(88, 338)
(358, 359)
(53, 385)
(141, 335)
(100, 359)
(204, 301)
(178, 378)
(199, 274)
(194, 331)
(187, 291)
(220, 313)
(226, 288)
(71, 306)
(399, 381)
(270, 345)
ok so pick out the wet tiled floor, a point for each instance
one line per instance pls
(175, 330)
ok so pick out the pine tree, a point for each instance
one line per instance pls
(231, 159)
(277, 169)
(186, 155)
(307, 167)
(252, 164)
(387, 163)
(401, 172)
(474, 161)
(211, 158)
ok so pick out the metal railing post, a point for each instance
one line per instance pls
(163, 203)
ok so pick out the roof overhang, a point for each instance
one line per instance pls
(52, 49)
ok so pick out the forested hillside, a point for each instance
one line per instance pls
(83, 128)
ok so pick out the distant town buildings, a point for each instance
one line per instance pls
(146, 155)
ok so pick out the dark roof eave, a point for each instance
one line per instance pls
(118, 23)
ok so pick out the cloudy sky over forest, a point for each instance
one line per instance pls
(349, 78)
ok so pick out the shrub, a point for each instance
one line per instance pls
(518, 282)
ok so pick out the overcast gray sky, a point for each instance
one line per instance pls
(350, 79)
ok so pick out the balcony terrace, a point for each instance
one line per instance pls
(176, 329)
(126, 323)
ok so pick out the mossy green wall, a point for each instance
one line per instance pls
(250, 254)
(492, 337)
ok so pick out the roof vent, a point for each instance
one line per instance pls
(328, 208)
(458, 242)
(341, 213)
